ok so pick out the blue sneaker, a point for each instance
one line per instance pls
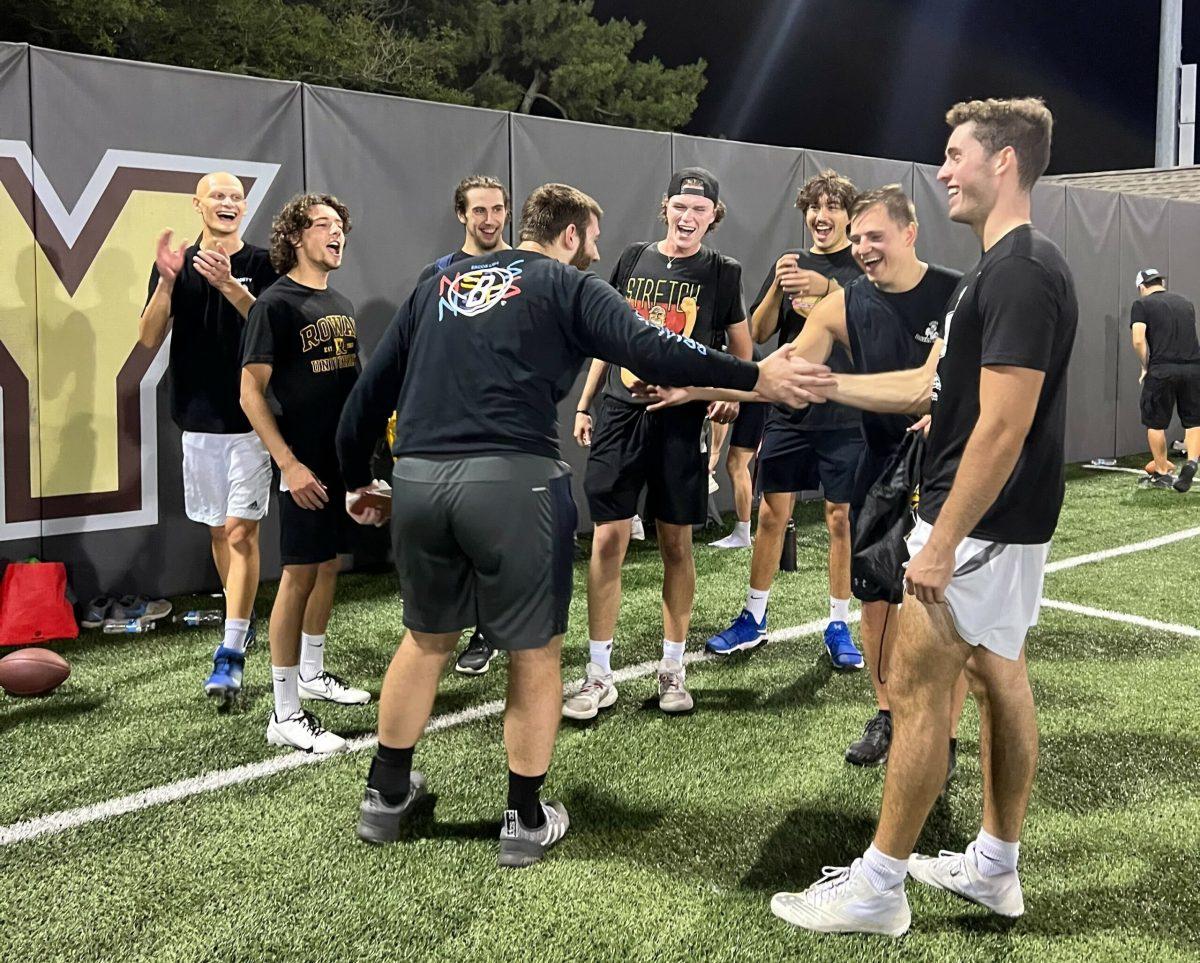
(226, 680)
(840, 647)
(743, 634)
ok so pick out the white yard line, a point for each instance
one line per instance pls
(224, 778)
(1188, 630)
(1128, 471)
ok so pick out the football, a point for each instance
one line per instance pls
(33, 672)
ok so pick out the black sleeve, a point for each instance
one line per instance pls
(258, 338)
(1137, 313)
(1018, 303)
(610, 330)
(264, 276)
(732, 303)
(373, 399)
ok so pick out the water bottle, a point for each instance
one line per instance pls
(130, 625)
(200, 617)
(787, 558)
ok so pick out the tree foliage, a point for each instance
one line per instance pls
(544, 56)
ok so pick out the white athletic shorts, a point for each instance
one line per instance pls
(225, 476)
(996, 591)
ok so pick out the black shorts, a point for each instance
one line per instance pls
(632, 449)
(485, 540)
(748, 428)
(864, 584)
(791, 460)
(311, 536)
(1169, 387)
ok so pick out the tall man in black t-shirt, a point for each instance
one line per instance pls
(483, 517)
(805, 450)
(1163, 327)
(696, 292)
(302, 343)
(203, 293)
(482, 206)
(992, 486)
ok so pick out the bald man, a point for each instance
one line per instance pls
(202, 294)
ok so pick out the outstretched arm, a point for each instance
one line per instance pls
(907, 392)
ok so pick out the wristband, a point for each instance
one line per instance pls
(583, 411)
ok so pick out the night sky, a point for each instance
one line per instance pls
(876, 76)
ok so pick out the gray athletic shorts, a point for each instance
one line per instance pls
(485, 540)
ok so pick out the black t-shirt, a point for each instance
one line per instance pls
(206, 342)
(894, 331)
(481, 366)
(1016, 307)
(429, 270)
(1170, 321)
(842, 267)
(697, 297)
(310, 339)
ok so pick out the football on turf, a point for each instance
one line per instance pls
(33, 672)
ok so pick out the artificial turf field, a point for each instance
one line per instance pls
(681, 828)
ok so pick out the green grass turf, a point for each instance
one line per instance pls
(682, 828)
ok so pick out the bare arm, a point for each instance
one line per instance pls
(907, 392)
(1138, 332)
(764, 319)
(156, 316)
(304, 486)
(583, 418)
(724, 411)
(214, 267)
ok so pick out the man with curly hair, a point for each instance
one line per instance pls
(202, 294)
(302, 342)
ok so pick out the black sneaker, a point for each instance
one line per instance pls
(476, 657)
(381, 823)
(1186, 474)
(871, 748)
(1162, 481)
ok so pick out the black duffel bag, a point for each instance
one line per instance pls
(887, 516)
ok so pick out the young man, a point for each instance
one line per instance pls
(487, 440)
(203, 294)
(807, 449)
(482, 206)
(992, 486)
(696, 292)
(302, 342)
(1163, 327)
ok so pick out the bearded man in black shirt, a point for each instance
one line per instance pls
(992, 486)
(203, 293)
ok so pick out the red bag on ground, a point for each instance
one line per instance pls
(33, 604)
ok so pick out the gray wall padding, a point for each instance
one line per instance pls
(940, 240)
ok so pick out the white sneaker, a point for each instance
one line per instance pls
(958, 873)
(673, 695)
(844, 901)
(637, 529)
(329, 688)
(303, 731)
(596, 693)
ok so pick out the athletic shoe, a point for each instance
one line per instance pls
(958, 873)
(522, 846)
(226, 680)
(673, 695)
(379, 822)
(637, 529)
(97, 611)
(476, 657)
(303, 731)
(713, 486)
(844, 901)
(1186, 474)
(743, 633)
(1162, 481)
(731, 541)
(871, 748)
(329, 688)
(596, 693)
(129, 607)
(840, 647)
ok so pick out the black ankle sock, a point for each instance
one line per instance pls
(954, 745)
(885, 712)
(389, 774)
(523, 797)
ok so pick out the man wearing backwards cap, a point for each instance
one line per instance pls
(1163, 326)
(696, 292)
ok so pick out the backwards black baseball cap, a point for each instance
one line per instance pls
(1149, 276)
(707, 186)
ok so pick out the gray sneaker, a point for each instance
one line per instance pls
(673, 696)
(596, 693)
(521, 846)
(380, 823)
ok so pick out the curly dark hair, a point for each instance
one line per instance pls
(291, 222)
(829, 183)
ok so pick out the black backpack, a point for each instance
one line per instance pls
(887, 515)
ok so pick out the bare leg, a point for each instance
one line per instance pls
(837, 521)
(533, 707)
(773, 516)
(320, 601)
(220, 552)
(1158, 449)
(410, 686)
(679, 579)
(1191, 438)
(287, 614)
(738, 463)
(241, 578)
(719, 434)
(957, 701)
(609, 543)
(878, 617)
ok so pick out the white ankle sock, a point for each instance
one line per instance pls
(742, 530)
(673, 651)
(287, 692)
(312, 655)
(756, 603)
(600, 653)
(994, 856)
(882, 870)
(235, 634)
(839, 610)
